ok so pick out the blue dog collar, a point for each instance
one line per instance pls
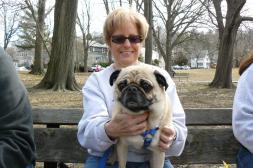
(148, 136)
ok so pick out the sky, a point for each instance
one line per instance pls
(98, 15)
(98, 18)
(249, 7)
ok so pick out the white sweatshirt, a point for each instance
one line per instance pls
(243, 109)
(98, 102)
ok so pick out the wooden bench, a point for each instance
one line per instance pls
(210, 138)
(181, 75)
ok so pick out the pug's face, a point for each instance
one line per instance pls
(138, 87)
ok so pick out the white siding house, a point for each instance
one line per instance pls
(97, 53)
(201, 60)
(26, 57)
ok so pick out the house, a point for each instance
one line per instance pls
(97, 53)
(26, 57)
(200, 60)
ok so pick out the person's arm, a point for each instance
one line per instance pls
(243, 110)
(17, 148)
(178, 122)
(91, 133)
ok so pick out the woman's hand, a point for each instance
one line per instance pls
(124, 124)
(167, 136)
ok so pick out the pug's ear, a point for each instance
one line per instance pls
(161, 79)
(114, 76)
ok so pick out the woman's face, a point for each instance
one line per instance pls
(125, 51)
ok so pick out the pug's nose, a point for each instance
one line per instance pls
(132, 89)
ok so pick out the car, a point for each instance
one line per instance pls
(22, 68)
(186, 67)
(176, 67)
(95, 68)
(90, 69)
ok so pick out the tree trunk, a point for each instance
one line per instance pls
(106, 6)
(168, 62)
(227, 37)
(148, 42)
(223, 73)
(85, 54)
(109, 54)
(169, 48)
(85, 29)
(38, 67)
(60, 72)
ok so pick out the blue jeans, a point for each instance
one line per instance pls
(244, 158)
(30, 166)
(92, 162)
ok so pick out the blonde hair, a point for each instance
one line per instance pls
(122, 16)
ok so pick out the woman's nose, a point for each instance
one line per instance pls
(127, 42)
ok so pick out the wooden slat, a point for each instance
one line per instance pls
(209, 146)
(211, 116)
(59, 116)
(58, 144)
(204, 145)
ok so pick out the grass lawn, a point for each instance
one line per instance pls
(193, 93)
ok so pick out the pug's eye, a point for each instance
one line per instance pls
(146, 86)
(122, 85)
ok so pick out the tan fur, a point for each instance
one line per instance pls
(159, 115)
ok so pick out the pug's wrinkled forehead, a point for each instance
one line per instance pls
(135, 75)
(138, 73)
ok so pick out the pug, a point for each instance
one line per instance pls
(139, 89)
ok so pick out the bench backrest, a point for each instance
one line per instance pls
(210, 137)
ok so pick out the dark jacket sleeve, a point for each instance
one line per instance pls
(17, 148)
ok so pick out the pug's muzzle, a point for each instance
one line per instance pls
(133, 98)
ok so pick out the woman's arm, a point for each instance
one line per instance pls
(178, 123)
(91, 132)
(243, 110)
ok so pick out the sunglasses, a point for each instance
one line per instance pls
(120, 39)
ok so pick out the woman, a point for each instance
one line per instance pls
(125, 31)
(243, 113)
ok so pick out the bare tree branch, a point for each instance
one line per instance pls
(247, 18)
(30, 7)
(106, 6)
(178, 17)
(9, 13)
(85, 29)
